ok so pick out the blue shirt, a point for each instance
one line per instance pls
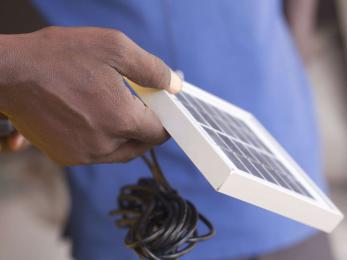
(238, 50)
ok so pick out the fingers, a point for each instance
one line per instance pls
(132, 119)
(147, 126)
(126, 152)
(143, 68)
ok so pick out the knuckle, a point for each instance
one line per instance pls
(117, 36)
(115, 44)
(114, 38)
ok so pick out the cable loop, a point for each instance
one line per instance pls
(161, 224)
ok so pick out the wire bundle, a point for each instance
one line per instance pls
(161, 224)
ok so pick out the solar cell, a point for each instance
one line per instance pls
(240, 144)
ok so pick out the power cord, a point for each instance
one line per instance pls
(161, 224)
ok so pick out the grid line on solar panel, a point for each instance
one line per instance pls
(239, 143)
(221, 121)
(250, 162)
(206, 120)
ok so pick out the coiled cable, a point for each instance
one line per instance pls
(161, 224)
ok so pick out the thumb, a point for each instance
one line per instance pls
(143, 67)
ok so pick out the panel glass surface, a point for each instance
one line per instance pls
(241, 145)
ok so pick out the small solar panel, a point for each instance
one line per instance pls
(238, 157)
(240, 144)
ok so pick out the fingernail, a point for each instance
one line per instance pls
(175, 83)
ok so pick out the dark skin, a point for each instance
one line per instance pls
(17, 71)
(63, 89)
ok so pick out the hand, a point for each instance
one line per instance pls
(64, 91)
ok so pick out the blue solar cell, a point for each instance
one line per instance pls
(240, 144)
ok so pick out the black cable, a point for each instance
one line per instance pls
(161, 224)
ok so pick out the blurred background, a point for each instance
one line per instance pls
(34, 200)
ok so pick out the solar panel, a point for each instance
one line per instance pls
(238, 157)
(240, 144)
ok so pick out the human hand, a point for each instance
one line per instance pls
(64, 91)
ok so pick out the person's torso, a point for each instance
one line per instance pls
(238, 50)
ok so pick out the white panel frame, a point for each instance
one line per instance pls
(224, 176)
